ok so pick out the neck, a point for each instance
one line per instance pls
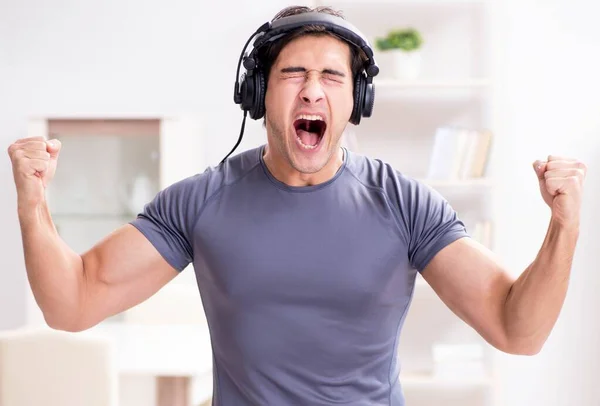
(285, 173)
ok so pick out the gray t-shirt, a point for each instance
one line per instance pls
(305, 289)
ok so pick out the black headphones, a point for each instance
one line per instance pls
(250, 94)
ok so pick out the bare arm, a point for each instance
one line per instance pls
(515, 315)
(76, 291)
(535, 300)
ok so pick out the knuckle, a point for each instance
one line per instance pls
(18, 153)
(43, 155)
(33, 145)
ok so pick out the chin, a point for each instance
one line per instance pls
(309, 159)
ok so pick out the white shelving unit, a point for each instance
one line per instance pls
(453, 89)
(110, 166)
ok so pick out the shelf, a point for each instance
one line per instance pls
(389, 88)
(462, 183)
(431, 84)
(459, 187)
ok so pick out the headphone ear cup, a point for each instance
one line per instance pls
(258, 110)
(369, 100)
(359, 91)
(247, 91)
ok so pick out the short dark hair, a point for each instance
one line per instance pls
(268, 55)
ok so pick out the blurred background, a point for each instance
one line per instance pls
(140, 93)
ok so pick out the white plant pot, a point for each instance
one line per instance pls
(407, 65)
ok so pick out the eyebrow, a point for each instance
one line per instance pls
(295, 69)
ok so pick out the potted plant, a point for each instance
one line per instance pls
(405, 46)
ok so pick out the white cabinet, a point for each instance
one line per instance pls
(110, 167)
(453, 90)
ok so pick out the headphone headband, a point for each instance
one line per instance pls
(336, 25)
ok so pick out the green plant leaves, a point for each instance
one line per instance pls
(408, 39)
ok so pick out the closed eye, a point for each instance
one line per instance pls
(294, 75)
(333, 78)
(329, 75)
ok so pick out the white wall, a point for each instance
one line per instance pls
(130, 57)
(116, 58)
(547, 62)
(119, 58)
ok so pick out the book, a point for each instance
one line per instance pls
(459, 153)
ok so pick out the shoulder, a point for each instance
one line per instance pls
(382, 176)
(414, 203)
(179, 205)
(202, 186)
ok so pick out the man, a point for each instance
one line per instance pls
(305, 253)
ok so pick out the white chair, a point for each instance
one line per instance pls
(54, 368)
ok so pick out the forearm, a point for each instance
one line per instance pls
(54, 270)
(534, 301)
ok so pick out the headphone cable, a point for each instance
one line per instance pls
(240, 137)
(236, 94)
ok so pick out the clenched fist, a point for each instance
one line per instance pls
(34, 164)
(561, 184)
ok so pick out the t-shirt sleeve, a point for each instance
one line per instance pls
(432, 223)
(167, 221)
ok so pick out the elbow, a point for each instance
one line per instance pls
(66, 328)
(524, 347)
(61, 323)
(62, 326)
(526, 350)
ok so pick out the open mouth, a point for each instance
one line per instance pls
(310, 130)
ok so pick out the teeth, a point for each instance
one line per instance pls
(307, 146)
(311, 117)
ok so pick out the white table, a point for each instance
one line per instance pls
(172, 354)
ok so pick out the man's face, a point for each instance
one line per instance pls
(309, 101)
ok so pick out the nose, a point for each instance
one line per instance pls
(312, 91)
